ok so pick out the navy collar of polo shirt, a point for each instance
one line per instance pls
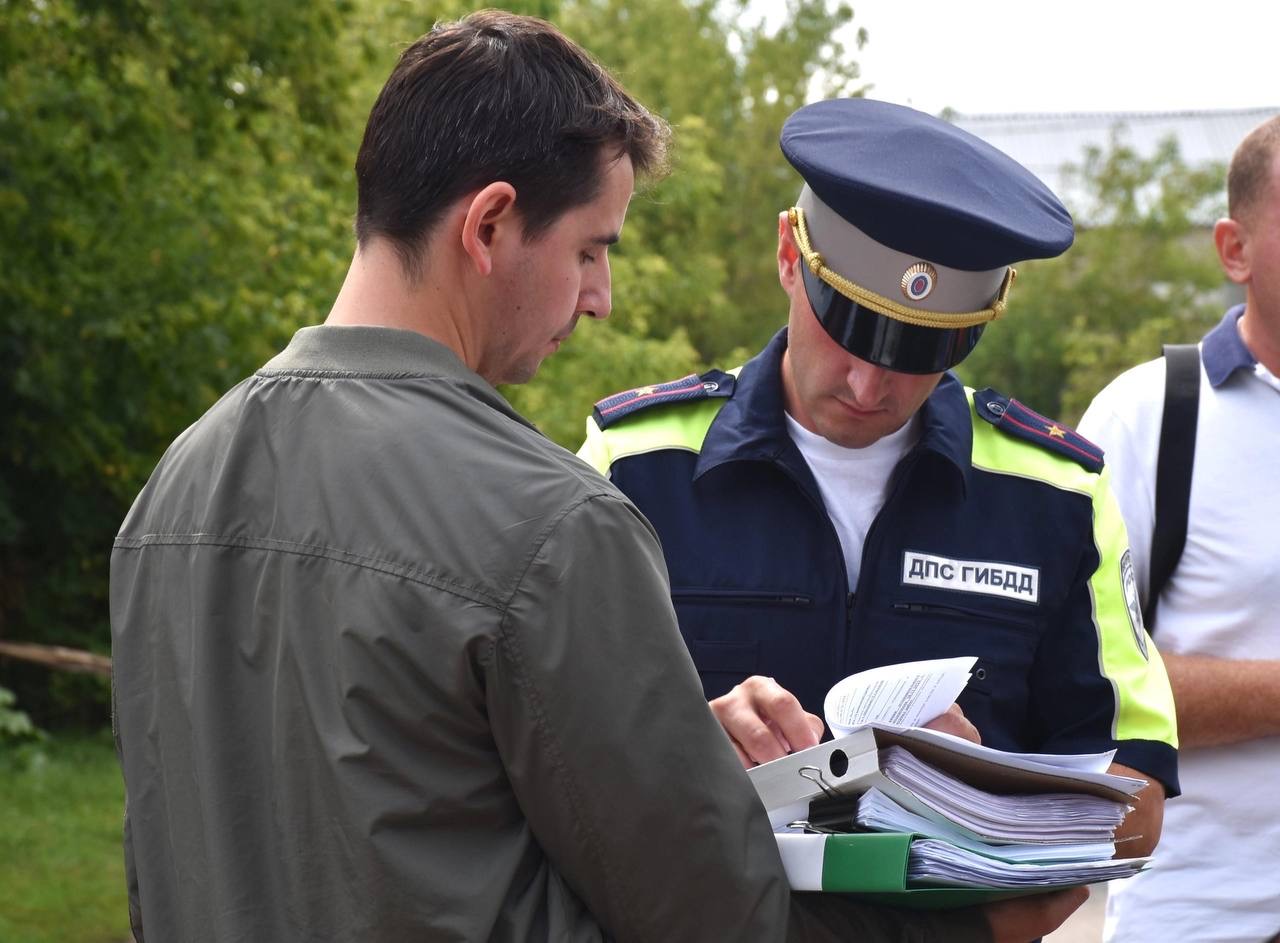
(751, 425)
(1223, 350)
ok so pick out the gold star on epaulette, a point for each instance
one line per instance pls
(1055, 431)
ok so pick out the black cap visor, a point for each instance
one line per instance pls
(884, 341)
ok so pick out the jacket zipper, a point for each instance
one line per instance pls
(746, 597)
(869, 544)
(960, 612)
(815, 501)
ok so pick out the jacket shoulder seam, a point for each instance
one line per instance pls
(321, 551)
(1046, 480)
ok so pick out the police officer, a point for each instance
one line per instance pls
(842, 501)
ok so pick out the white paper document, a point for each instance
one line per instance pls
(878, 813)
(990, 817)
(939, 862)
(905, 695)
(1081, 767)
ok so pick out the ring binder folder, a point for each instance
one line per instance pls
(835, 767)
(942, 846)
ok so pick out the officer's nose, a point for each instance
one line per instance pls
(867, 382)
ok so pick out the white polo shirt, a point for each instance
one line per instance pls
(1216, 874)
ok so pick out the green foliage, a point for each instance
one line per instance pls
(1142, 272)
(61, 864)
(15, 725)
(175, 198)
(175, 201)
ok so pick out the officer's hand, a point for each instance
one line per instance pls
(764, 721)
(1028, 918)
(954, 722)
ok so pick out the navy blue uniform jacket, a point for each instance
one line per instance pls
(999, 539)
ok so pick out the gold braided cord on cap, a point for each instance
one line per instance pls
(887, 306)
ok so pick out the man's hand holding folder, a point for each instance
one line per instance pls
(1029, 918)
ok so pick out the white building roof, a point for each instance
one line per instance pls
(1044, 143)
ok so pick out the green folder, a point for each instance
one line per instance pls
(873, 866)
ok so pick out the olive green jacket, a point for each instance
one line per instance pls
(391, 666)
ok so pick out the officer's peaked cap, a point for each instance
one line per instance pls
(908, 226)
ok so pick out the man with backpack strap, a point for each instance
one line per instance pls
(1217, 618)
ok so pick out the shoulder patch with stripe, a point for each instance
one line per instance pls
(1012, 417)
(714, 384)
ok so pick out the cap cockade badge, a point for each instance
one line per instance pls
(918, 281)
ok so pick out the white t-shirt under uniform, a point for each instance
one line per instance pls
(854, 482)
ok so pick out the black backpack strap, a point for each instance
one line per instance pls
(1173, 467)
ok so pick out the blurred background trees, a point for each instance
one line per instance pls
(1142, 272)
(175, 201)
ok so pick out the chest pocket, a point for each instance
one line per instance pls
(738, 659)
(1003, 639)
(733, 634)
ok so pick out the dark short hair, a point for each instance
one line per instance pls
(494, 96)
(1250, 169)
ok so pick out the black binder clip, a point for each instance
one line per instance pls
(808, 826)
(835, 814)
(814, 775)
(831, 814)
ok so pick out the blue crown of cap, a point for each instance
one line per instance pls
(922, 186)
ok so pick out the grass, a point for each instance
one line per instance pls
(61, 864)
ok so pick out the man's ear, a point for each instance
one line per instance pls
(491, 217)
(1231, 238)
(788, 254)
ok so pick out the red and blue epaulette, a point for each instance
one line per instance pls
(710, 385)
(1008, 415)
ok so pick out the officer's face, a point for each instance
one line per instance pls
(830, 391)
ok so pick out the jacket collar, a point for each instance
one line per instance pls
(1223, 350)
(381, 353)
(752, 427)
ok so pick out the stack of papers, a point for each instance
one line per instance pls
(891, 807)
(1037, 817)
(938, 862)
(969, 837)
(878, 813)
